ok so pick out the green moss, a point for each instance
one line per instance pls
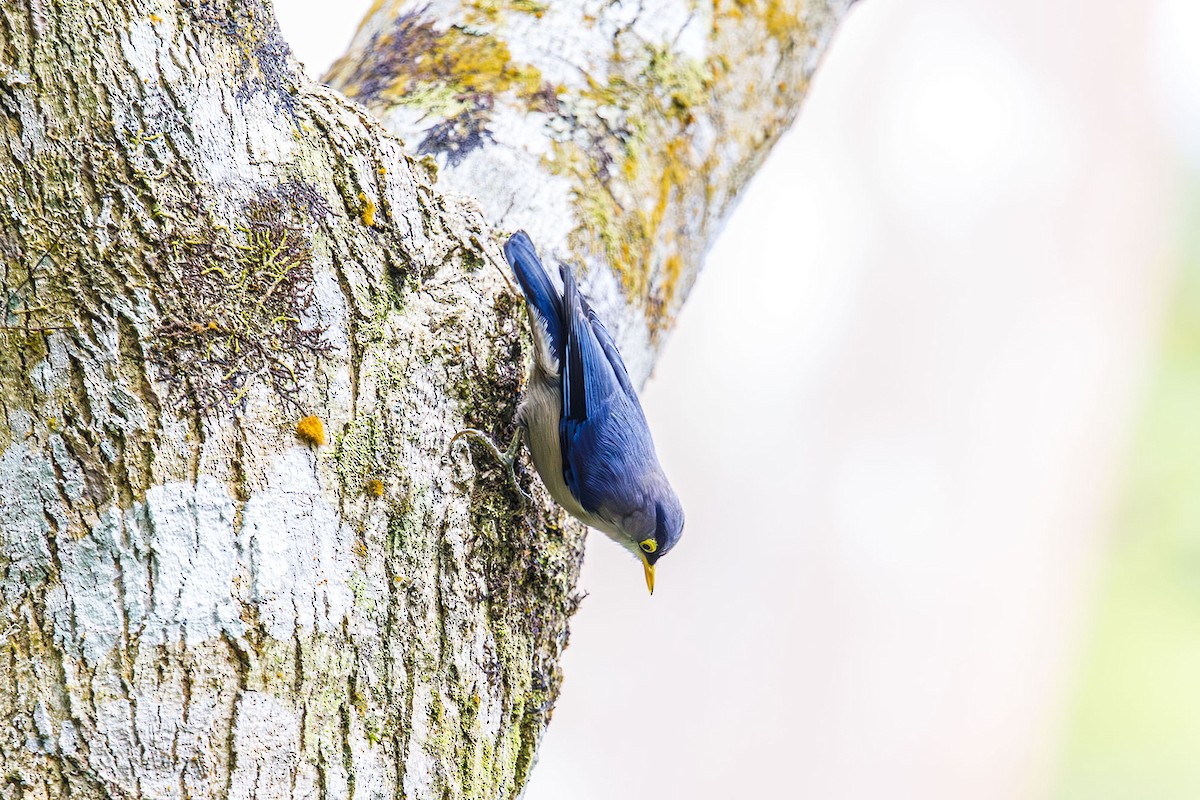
(438, 99)
(361, 452)
(487, 761)
(373, 327)
(680, 83)
(357, 583)
(318, 666)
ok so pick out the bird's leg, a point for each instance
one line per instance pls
(507, 457)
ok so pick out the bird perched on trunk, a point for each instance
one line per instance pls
(587, 433)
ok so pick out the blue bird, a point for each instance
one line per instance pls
(587, 433)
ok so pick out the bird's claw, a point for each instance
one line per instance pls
(506, 457)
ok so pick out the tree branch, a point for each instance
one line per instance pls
(618, 134)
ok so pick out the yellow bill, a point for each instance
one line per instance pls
(646, 565)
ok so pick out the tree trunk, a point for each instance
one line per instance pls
(240, 327)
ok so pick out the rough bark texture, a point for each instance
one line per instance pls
(199, 249)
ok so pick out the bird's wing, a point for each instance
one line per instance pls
(540, 293)
(611, 353)
(588, 375)
(598, 416)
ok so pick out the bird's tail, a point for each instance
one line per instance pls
(543, 298)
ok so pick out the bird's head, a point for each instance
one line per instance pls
(653, 542)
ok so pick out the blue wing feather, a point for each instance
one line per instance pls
(535, 283)
(611, 353)
(574, 385)
(600, 408)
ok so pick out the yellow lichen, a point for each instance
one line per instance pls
(375, 487)
(672, 271)
(777, 16)
(782, 24)
(368, 210)
(311, 430)
(652, 162)
(492, 10)
(453, 68)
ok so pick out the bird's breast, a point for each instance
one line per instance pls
(541, 410)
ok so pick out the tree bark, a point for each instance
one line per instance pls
(207, 597)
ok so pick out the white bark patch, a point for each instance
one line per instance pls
(141, 50)
(181, 542)
(420, 769)
(372, 776)
(123, 735)
(526, 195)
(243, 150)
(31, 507)
(41, 739)
(163, 571)
(157, 722)
(194, 559)
(86, 606)
(566, 52)
(48, 374)
(266, 743)
(682, 26)
(112, 753)
(130, 737)
(331, 313)
(298, 553)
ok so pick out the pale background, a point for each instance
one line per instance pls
(899, 409)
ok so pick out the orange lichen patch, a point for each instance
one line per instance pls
(367, 214)
(672, 272)
(658, 310)
(374, 487)
(311, 430)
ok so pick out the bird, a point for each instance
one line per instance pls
(587, 434)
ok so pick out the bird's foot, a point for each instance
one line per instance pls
(506, 457)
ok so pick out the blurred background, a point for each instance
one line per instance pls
(934, 412)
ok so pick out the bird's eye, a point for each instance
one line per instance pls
(649, 545)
